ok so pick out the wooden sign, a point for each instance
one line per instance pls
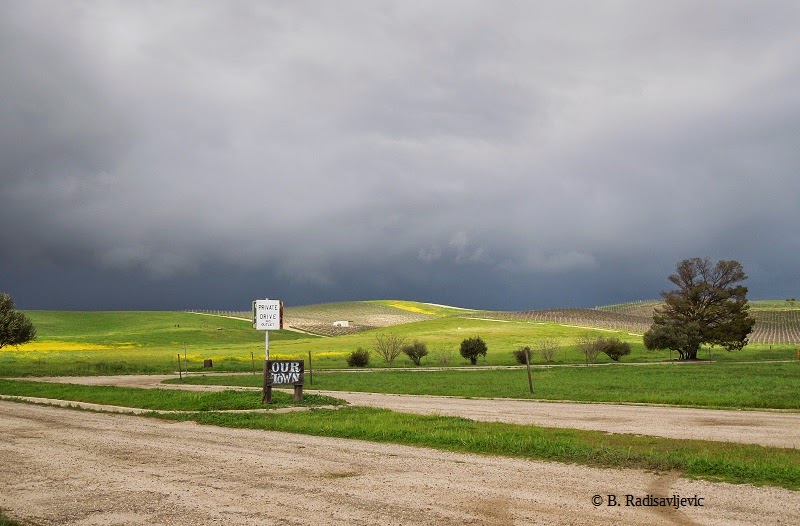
(283, 373)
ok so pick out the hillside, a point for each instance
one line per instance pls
(777, 321)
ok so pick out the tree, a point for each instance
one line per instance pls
(388, 346)
(587, 344)
(15, 327)
(471, 348)
(548, 348)
(416, 351)
(614, 348)
(708, 307)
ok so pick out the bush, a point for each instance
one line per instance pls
(547, 347)
(443, 357)
(520, 353)
(416, 351)
(587, 344)
(592, 346)
(614, 348)
(471, 348)
(358, 358)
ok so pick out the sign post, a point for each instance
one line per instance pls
(268, 316)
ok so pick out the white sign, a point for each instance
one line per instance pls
(268, 315)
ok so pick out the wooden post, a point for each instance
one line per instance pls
(180, 372)
(266, 396)
(528, 363)
(311, 370)
(253, 359)
(298, 393)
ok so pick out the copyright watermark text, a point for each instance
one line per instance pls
(675, 501)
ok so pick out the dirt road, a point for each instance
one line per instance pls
(766, 428)
(67, 467)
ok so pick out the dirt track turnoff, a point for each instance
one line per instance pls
(766, 428)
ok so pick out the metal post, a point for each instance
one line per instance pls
(266, 345)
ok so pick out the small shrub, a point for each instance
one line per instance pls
(592, 346)
(548, 348)
(520, 353)
(471, 348)
(614, 348)
(443, 357)
(587, 344)
(358, 358)
(416, 351)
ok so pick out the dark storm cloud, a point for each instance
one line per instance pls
(490, 154)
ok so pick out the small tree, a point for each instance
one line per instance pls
(548, 347)
(587, 344)
(388, 346)
(614, 348)
(471, 348)
(15, 327)
(416, 351)
(358, 358)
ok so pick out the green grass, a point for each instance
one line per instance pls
(126, 342)
(716, 461)
(717, 385)
(5, 520)
(158, 399)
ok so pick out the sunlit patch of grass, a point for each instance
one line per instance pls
(158, 399)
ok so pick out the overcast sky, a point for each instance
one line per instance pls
(492, 154)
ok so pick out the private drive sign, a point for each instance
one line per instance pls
(268, 315)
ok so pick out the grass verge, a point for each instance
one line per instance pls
(769, 385)
(159, 399)
(5, 520)
(715, 461)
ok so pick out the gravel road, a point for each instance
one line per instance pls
(767, 428)
(69, 467)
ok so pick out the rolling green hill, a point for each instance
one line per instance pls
(72, 342)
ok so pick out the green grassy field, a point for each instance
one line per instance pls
(90, 343)
(716, 385)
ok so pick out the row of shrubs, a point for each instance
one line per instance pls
(591, 347)
(390, 347)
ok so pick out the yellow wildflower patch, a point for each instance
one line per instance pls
(410, 307)
(60, 346)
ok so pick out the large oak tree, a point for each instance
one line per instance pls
(708, 307)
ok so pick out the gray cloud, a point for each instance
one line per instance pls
(390, 148)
